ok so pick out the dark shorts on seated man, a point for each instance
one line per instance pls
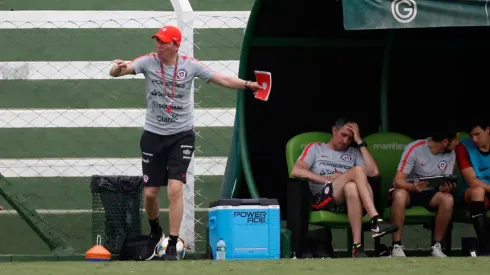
(324, 201)
(416, 199)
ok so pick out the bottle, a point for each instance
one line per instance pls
(221, 250)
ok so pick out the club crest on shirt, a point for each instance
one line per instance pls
(346, 157)
(181, 74)
(442, 164)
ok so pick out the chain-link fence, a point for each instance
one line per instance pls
(63, 119)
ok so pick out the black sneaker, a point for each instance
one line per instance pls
(151, 247)
(380, 228)
(171, 254)
(358, 251)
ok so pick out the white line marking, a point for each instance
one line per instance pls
(117, 19)
(102, 118)
(42, 70)
(78, 211)
(86, 167)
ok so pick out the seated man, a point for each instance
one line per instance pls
(473, 155)
(433, 156)
(338, 175)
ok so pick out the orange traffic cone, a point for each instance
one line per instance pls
(98, 253)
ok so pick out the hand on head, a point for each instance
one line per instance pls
(355, 130)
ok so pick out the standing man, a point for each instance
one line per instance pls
(338, 180)
(167, 143)
(473, 154)
(428, 157)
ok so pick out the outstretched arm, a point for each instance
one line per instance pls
(135, 66)
(234, 82)
(204, 72)
(121, 68)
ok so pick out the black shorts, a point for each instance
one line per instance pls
(166, 157)
(416, 199)
(324, 201)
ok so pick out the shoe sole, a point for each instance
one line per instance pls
(379, 234)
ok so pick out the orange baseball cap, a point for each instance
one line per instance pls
(169, 34)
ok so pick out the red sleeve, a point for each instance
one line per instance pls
(462, 157)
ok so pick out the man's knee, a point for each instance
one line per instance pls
(175, 190)
(446, 197)
(357, 174)
(350, 190)
(151, 193)
(444, 200)
(400, 197)
(476, 193)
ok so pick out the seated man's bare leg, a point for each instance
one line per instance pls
(444, 203)
(354, 210)
(350, 195)
(401, 198)
(370, 190)
(357, 175)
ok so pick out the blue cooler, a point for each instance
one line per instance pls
(250, 228)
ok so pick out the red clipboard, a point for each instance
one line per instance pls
(265, 80)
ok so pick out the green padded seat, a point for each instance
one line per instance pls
(332, 220)
(414, 215)
(387, 149)
(297, 144)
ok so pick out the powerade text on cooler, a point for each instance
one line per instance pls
(249, 228)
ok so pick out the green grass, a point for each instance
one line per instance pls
(120, 93)
(108, 44)
(418, 266)
(203, 5)
(98, 142)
